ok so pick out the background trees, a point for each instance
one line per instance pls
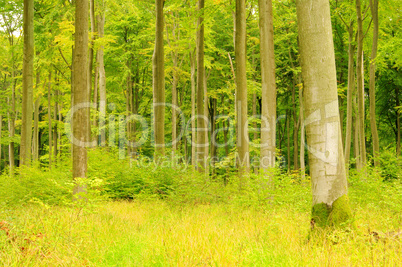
(124, 32)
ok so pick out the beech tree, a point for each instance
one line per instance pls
(159, 82)
(268, 88)
(80, 94)
(27, 83)
(327, 165)
(241, 88)
(201, 156)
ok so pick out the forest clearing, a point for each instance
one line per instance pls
(200, 133)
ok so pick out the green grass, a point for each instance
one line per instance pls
(159, 233)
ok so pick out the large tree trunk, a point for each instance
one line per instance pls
(81, 94)
(159, 82)
(27, 83)
(241, 89)
(360, 84)
(268, 87)
(351, 89)
(327, 164)
(201, 158)
(373, 124)
(102, 82)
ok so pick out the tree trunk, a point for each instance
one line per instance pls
(398, 124)
(351, 89)
(360, 85)
(1, 130)
(91, 52)
(288, 114)
(243, 157)
(193, 121)
(49, 114)
(159, 82)
(327, 164)
(295, 131)
(373, 124)
(201, 159)
(268, 87)
(302, 135)
(11, 129)
(27, 83)
(56, 97)
(102, 82)
(35, 145)
(212, 113)
(81, 94)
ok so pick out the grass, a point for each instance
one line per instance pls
(159, 233)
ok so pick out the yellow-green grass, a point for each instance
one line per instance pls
(156, 233)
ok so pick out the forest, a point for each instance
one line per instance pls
(200, 132)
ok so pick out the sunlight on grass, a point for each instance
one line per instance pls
(155, 233)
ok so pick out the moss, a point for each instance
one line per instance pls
(339, 214)
(320, 214)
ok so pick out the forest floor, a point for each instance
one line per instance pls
(159, 233)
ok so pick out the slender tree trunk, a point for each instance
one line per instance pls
(327, 164)
(213, 102)
(91, 52)
(302, 135)
(49, 114)
(201, 159)
(1, 131)
(55, 130)
(193, 120)
(288, 114)
(351, 89)
(35, 145)
(174, 103)
(398, 124)
(373, 123)
(360, 85)
(27, 83)
(81, 94)
(102, 82)
(11, 129)
(159, 82)
(295, 131)
(356, 143)
(243, 159)
(35, 139)
(268, 87)
(206, 151)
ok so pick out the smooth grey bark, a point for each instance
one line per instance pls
(193, 121)
(268, 87)
(360, 85)
(351, 89)
(373, 123)
(102, 81)
(27, 83)
(243, 157)
(81, 94)
(158, 70)
(201, 157)
(327, 165)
